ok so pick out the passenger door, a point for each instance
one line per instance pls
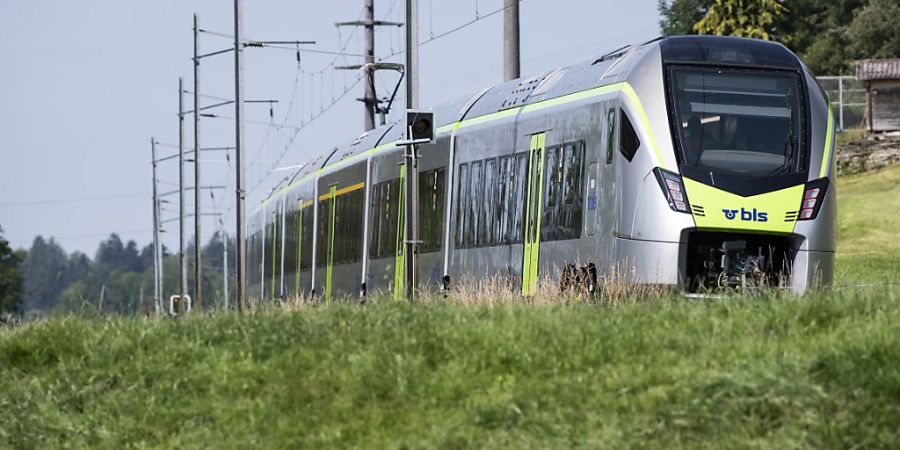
(399, 247)
(608, 210)
(329, 250)
(533, 202)
(592, 198)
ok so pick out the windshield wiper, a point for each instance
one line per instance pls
(788, 152)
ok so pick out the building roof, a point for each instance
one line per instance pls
(878, 69)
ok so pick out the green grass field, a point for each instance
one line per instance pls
(819, 371)
(869, 228)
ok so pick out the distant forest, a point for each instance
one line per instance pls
(828, 35)
(119, 279)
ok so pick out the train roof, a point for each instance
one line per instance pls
(608, 68)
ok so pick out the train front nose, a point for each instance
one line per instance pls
(742, 138)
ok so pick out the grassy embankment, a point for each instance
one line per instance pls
(869, 228)
(814, 372)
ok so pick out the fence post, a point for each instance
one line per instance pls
(841, 103)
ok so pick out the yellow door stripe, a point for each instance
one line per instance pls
(299, 248)
(400, 245)
(826, 153)
(329, 262)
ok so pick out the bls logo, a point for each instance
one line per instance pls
(747, 215)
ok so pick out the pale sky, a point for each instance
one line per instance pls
(85, 84)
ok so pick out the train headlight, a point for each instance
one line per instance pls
(812, 198)
(673, 189)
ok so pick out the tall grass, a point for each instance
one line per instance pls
(631, 367)
(808, 372)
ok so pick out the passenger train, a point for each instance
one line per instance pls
(699, 163)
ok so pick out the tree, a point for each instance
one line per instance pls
(816, 30)
(77, 266)
(744, 18)
(679, 16)
(111, 284)
(113, 253)
(11, 286)
(875, 30)
(44, 271)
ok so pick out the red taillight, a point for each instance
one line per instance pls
(812, 199)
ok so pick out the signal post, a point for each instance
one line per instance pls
(419, 130)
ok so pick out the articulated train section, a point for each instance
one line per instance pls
(700, 163)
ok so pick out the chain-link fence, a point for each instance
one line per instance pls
(848, 99)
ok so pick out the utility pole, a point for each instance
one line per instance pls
(510, 39)
(369, 39)
(369, 22)
(156, 259)
(224, 264)
(182, 266)
(412, 163)
(240, 252)
(159, 256)
(412, 54)
(198, 241)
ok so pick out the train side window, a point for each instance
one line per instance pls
(358, 199)
(388, 229)
(389, 238)
(553, 175)
(462, 205)
(628, 139)
(375, 219)
(275, 247)
(517, 200)
(573, 170)
(610, 134)
(306, 217)
(489, 199)
(431, 209)
(322, 231)
(339, 238)
(291, 220)
(476, 188)
(348, 227)
(504, 191)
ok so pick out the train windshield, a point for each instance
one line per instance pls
(738, 122)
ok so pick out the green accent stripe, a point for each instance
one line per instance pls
(274, 235)
(299, 247)
(329, 268)
(623, 87)
(826, 153)
(332, 166)
(533, 209)
(645, 121)
(400, 249)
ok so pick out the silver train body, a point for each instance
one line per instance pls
(700, 163)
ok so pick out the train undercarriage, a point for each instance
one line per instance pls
(729, 261)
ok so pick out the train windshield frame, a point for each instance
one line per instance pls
(737, 123)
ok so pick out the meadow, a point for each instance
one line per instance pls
(653, 371)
